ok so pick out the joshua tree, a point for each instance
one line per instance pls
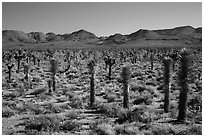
(49, 83)
(167, 82)
(183, 80)
(53, 70)
(174, 58)
(152, 61)
(38, 60)
(125, 75)
(18, 57)
(26, 69)
(134, 59)
(50, 53)
(34, 59)
(10, 66)
(109, 62)
(91, 65)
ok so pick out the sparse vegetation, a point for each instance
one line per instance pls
(65, 96)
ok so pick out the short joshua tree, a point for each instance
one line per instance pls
(91, 65)
(167, 82)
(152, 61)
(125, 76)
(49, 83)
(10, 66)
(26, 70)
(109, 62)
(53, 70)
(184, 69)
(38, 60)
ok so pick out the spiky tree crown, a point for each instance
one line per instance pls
(54, 66)
(184, 66)
(126, 73)
(167, 63)
(10, 65)
(91, 65)
(49, 82)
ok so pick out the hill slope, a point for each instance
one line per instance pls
(185, 35)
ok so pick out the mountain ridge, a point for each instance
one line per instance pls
(177, 33)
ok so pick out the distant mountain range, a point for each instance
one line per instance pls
(185, 33)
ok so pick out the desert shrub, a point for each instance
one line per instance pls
(72, 114)
(10, 104)
(111, 97)
(135, 115)
(169, 129)
(69, 125)
(42, 123)
(50, 108)
(32, 132)
(34, 108)
(162, 129)
(127, 130)
(195, 130)
(146, 99)
(20, 108)
(76, 102)
(7, 112)
(103, 129)
(110, 110)
(173, 113)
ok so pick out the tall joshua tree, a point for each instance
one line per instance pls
(167, 81)
(26, 72)
(91, 65)
(18, 57)
(53, 70)
(125, 75)
(183, 79)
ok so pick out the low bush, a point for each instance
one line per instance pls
(110, 109)
(169, 129)
(69, 125)
(103, 129)
(127, 130)
(135, 115)
(76, 102)
(7, 112)
(42, 123)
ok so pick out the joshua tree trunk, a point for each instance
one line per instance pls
(53, 82)
(92, 93)
(183, 74)
(126, 95)
(9, 70)
(109, 72)
(167, 83)
(152, 61)
(9, 73)
(91, 65)
(53, 70)
(38, 62)
(125, 75)
(19, 62)
(49, 82)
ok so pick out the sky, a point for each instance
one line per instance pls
(102, 19)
